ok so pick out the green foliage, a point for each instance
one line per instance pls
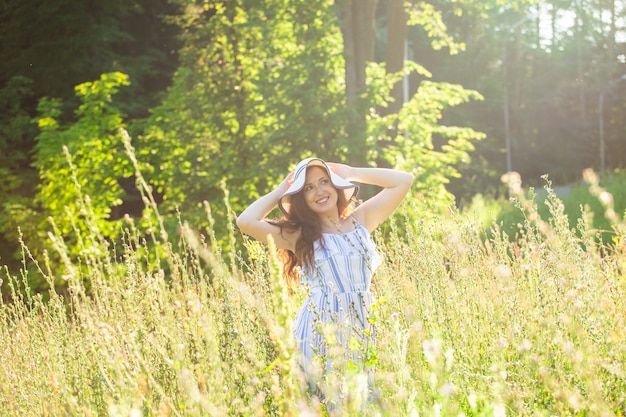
(419, 126)
(420, 121)
(258, 88)
(261, 85)
(79, 164)
(14, 121)
(46, 49)
(431, 20)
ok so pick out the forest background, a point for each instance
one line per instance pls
(219, 98)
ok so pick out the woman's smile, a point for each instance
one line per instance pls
(322, 200)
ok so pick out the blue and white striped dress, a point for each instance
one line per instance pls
(339, 298)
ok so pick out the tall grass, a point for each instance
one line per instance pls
(465, 326)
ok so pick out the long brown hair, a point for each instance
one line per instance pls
(302, 218)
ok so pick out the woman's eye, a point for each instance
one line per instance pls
(324, 181)
(308, 188)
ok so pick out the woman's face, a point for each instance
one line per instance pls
(319, 192)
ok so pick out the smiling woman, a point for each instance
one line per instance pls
(319, 193)
(326, 241)
(310, 176)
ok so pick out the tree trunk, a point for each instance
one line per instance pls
(396, 39)
(359, 34)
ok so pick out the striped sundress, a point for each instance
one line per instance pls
(339, 300)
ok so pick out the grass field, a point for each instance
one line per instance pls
(466, 325)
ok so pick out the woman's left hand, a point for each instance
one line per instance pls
(340, 169)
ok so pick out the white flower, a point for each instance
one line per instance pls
(499, 410)
(432, 350)
(606, 198)
(471, 400)
(447, 389)
(525, 346)
(502, 272)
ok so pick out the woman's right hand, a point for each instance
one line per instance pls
(286, 183)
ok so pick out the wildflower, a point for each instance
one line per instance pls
(471, 400)
(503, 343)
(502, 272)
(590, 176)
(499, 410)
(611, 215)
(432, 350)
(449, 355)
(574, 401)
(606, 198)
(514, 181)
(447, 389)
(525, 346)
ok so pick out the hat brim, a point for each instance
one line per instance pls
(349, 189)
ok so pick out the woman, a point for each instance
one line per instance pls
(327, 245)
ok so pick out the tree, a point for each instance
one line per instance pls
(46, 49)
(253, 79)
(404, 129)
(79, 166)
(258, 88)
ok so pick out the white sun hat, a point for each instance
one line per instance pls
(299, 176)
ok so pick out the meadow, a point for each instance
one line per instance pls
(470, 321)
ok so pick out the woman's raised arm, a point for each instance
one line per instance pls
(252, 220)
(395, 184)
